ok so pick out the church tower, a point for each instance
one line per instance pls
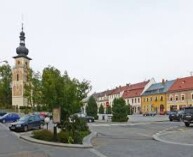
(20, 73)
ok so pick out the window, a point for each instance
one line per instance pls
(150, 98)
(171, 98)
(192, 96)
(176, 98)
(147, 99)
(182, 97)
(138, 100)
(161, 98)
(135, 100)
(17, 77)
(156, 98)
(132, 101)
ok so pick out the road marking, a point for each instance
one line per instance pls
(96, 152)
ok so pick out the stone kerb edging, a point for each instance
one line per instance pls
(162, 133)
(86, 142)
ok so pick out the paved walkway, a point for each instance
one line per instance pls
(178, 135)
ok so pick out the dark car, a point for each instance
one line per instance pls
(188, 116)
(26, 123)
(176, 115)
(9, 117)
(84, 117)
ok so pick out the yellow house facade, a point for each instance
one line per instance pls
(154, 103)
(154, 98)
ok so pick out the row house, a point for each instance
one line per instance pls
(102, 98)
(132, 95)
(180, 94)
(117, 93)
(154, 99)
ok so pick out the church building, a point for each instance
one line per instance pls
(20, 73)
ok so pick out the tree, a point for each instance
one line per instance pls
(108, 109)
(130, 109)
(61, 91)
(33, 89)
(101, 109)
(5, 86)
(91, 108)
(119, 110)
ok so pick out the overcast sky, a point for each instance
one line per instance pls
(108, 42)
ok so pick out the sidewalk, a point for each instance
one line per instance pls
(179, 135)
(140, 119)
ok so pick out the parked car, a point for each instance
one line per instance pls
(149, 114)
(2, 113)
(188, 116)
(9, 117)
(84, 117)
(26, 123)
(176, 115)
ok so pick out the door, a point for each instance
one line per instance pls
(161, 109)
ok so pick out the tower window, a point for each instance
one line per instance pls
(18, 62)
(17, 77)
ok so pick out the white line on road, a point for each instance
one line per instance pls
(96, 152)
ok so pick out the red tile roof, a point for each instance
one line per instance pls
(134, 90)
(182, 84)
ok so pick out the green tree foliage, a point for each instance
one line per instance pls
(119, 110)
(61, 91)
(101, 109)
(91, 108)
(130, 109)
(33, 89)
(108, 109)
(5, 86)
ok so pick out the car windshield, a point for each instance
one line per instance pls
(5, 115)
(189, 110)
(23, 119)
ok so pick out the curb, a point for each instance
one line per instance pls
(162, 133)
(86, 142)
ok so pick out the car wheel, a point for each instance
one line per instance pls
(187, 124)
(90, 120)
(3, 121)
(170, 120)
(25, 128)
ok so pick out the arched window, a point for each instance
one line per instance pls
(17, 77)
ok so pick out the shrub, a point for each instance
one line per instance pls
(63, 136)
(45, 135)
(72, 137)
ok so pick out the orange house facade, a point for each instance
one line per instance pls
(180, 94)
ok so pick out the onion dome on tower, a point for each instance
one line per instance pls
(22, 51)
